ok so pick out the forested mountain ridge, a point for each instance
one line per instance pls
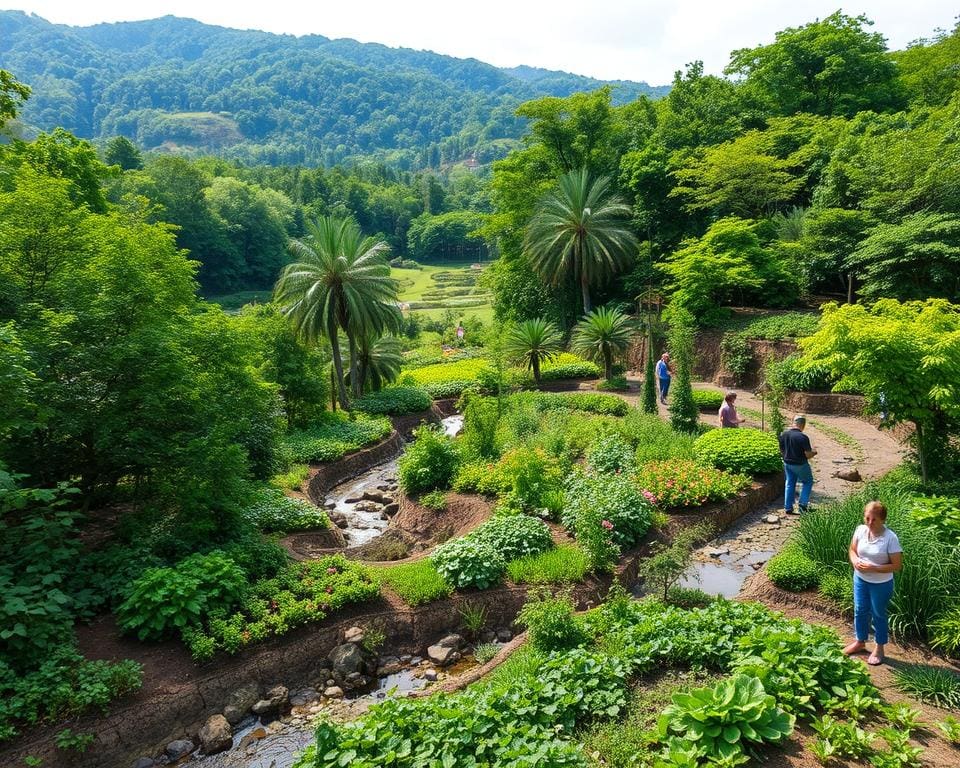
(263, 97)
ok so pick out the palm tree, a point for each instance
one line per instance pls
(581, 230)
(532, 343)
(379, 359)
(602, 335)
(340, 281)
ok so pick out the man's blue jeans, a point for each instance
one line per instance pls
(797, 473)
(664, 388)
(870, 602)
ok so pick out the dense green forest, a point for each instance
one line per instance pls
(822, 164)
(264, 98)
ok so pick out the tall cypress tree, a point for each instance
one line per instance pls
(648, 403)
(684, 414)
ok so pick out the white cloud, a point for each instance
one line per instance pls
(614, 39)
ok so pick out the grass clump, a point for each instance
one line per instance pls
(415, 583)
(933, 685)
(564, 564)
(293, 479)
(792, 570)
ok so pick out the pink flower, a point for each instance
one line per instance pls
(331, 571)
(607, 524)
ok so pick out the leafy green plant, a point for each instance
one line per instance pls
(334, 435)
(435, 500)
(934, 685)
(708, 399)
(73, 742)
(614, 498)
(466, 562)
(514, 536)
(792, 570)
(63, 685)
(550, 622)
(373, 638)
(485, 652)
(950, 727)
(903, 716)
(617, 383)
(293, 479)
(685, 483)
(166, 599)
(562, 564)
(394, 401)
(528, 474)
(416, 583)
(688, 597)
(726, 719)
(735, 355)
(428, 463)
(744, 450)
(270, 511)
(610, 454)
(940, 514)
(847, 739)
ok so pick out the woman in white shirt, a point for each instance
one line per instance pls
(875, 555)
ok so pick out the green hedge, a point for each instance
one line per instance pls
(394, 401)
(792, 570)
(706, 399)
(335, 435)
(744, 450)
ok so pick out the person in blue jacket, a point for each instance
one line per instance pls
(663, 376)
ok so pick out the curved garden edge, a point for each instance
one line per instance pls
(166, 709)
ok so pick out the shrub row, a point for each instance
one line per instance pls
(394, 401)
(334, 436)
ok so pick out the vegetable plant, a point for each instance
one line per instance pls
(724, 720)
(467, 562)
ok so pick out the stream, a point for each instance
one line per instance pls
(362, 517)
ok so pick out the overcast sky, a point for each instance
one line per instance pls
(608, 39)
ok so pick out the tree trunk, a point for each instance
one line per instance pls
(607, 364)
(535, 365)
(338, 367)
(921, 451)
(585, 291)
(850, 288)
(354, 372)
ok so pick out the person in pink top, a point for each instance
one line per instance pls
(728, 412)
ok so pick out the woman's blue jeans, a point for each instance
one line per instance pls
(797, 473)
(870, 602)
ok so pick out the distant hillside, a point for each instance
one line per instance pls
(180, 84)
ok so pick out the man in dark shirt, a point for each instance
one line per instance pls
(796, 451)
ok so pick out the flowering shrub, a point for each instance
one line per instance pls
(514, 536)
(749, 451)
(613, 498)
(300, 593)
(333, 435)
(684, 483)
(468, 562)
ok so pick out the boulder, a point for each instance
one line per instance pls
(451, 641)
(353, 635)
(276, 700)
(145, 762)
(442, 655)
(431, 675)
(772, 519)
(354, 681)
(352, 499)
(391, 509)
(216, 735)
(330, 504)
(303, 697)
(375, 496)
(345, 660)
(504, 635)
(333, 692)
(178, 749)
(850, 475)
(240, 701)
